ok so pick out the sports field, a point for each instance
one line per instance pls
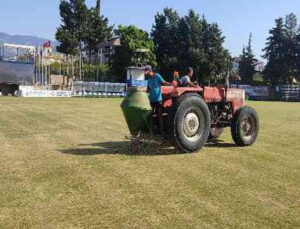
(65, 163)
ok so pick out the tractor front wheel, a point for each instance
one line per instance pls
(192, 123)
(245, 126)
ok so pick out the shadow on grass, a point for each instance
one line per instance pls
(216, 143)
(135, 148)
(124, 148)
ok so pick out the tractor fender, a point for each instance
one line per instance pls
(185, 96)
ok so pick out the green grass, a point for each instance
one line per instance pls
(65, 163)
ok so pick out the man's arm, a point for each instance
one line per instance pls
(192, 84)
(165, 83)
(189, 83)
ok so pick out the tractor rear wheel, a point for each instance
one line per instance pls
(245, 126)
(192, 123)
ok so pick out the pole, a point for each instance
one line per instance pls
(72, 64)
(98, 65)
(80, 73)
(38, 65)
(41, 70)
(42, 80)
(34, 63)
(101, 61)
(49, 80)
(46, 74)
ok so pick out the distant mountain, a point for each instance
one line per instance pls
(24, 40)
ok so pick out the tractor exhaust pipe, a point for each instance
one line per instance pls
(227, 85)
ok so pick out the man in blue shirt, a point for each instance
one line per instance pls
(155, 81)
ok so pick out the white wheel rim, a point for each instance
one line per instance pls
(191, 125)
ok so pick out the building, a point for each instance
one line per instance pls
(259, 65)
(236, 63)
(16, 64)
(17, 53)
(106, 49)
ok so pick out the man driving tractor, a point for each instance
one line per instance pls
(186, 80)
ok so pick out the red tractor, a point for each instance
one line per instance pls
(195, 114)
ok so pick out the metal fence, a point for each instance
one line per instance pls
(98, 89)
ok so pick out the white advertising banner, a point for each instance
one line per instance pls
(45, 94)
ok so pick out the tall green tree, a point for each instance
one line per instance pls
(97, 31)
(72, 30)
(189, 41)
(291, 31)
(217, 58)
(194, 53)
(167, 44)
(298, 57)
(133, 41)
(247, 63)
(275, 53)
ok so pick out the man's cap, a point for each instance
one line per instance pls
(148, 68)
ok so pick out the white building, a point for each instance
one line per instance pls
(260, 65)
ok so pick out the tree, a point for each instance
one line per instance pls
(82, 28)
(275, 53)
(189, 41)
(298, 57)
(217, 58)
(282, 51)
(97, 31)
(133, 40)
(248, 63)
(291, 31)
(71, 33)
(194, 53)
(167, 44)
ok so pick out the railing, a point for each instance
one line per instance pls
(98, 89)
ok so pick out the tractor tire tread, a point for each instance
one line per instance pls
(189, 100)
(237, 138)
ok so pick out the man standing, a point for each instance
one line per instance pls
(155, 81)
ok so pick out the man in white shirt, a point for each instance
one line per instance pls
(186, 80)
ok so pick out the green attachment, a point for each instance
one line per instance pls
(137, 110)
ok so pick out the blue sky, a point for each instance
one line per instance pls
(237, 18)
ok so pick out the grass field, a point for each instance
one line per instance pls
(65, 163)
